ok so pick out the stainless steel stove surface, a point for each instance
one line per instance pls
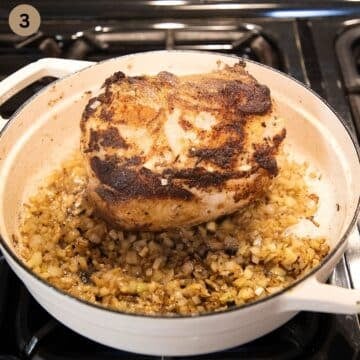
(311, 50)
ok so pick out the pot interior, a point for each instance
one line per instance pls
(46, 131)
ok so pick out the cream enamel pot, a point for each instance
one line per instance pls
(45, 130)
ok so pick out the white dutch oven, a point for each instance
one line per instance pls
(45, 130)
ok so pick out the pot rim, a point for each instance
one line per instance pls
(276, 295)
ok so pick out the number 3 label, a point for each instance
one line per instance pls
(24, 20)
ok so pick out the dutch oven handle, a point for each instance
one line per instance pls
(35, 71)
(313, 295)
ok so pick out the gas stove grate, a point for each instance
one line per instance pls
(348, 53)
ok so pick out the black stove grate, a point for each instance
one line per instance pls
(348, 53)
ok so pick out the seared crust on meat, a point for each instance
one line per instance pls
(165, 151)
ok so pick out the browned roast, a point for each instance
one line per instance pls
(166, 151)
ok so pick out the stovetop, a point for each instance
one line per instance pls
(311, 50)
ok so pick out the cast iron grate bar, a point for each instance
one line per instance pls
(347, 48)
(311, 63)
